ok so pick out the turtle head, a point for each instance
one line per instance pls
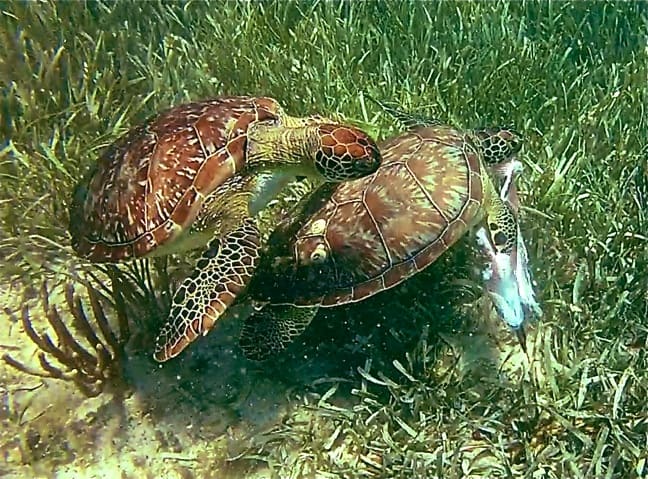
(330, 151)
(498, 144)
(344, 153)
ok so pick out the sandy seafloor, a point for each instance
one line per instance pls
(190, 418)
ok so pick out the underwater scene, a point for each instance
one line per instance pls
(323, 239)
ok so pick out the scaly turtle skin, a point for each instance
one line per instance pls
(353, 240)
(197, 174)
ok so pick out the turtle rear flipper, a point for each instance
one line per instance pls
(408, 119)
(223, 271)
(270, 330)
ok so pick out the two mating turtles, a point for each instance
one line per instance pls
(204, 169)
(197, 175)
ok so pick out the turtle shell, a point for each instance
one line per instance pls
(358, 238)
(148, 186)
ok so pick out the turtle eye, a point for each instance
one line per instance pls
(319, 254)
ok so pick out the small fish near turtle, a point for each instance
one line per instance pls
(195, 176)
(348, 242)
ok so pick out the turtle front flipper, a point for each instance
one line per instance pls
(508, 283)
(270, 330)
(508, 171)
(507, 276)
(223, 271)
(329, 152)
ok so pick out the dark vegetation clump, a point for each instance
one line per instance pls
(93, 325)
(90, 368)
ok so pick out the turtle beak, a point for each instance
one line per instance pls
(507, 171)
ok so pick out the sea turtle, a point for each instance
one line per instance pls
(197, 174)
(350, 241)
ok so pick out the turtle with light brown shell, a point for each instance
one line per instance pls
(196, 175)
(350, 241)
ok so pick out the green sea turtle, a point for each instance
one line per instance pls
(197, 174)
(350, 241)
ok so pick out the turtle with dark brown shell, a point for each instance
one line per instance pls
(350, 241)
(196, 175)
